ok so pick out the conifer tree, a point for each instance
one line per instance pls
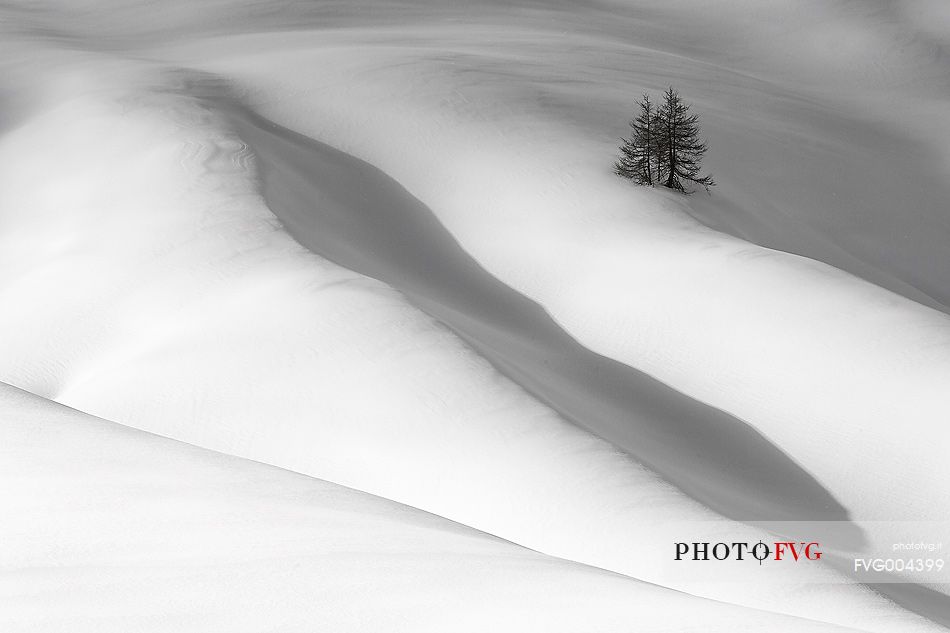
(642, 156)
(681, 143)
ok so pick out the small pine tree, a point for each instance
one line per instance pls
(664, 144)
(641, 158)
(681, 143)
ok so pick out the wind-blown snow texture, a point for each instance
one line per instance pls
(480, 320)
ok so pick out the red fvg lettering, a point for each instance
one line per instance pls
(785, 547)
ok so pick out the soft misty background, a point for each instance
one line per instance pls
(380, 245)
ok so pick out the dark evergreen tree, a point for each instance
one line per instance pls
(642, 156)
(681, 144)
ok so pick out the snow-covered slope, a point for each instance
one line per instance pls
(145, 278)
(111, 529)
(491, 128)
(182, 308)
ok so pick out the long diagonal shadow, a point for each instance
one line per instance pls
(355, 215)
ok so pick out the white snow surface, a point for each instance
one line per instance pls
(155, 535)
(144, 280)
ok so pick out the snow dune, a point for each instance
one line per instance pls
(387, 234)
(153, 535)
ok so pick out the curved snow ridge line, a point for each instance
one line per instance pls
(143, 521)
(391, 236)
